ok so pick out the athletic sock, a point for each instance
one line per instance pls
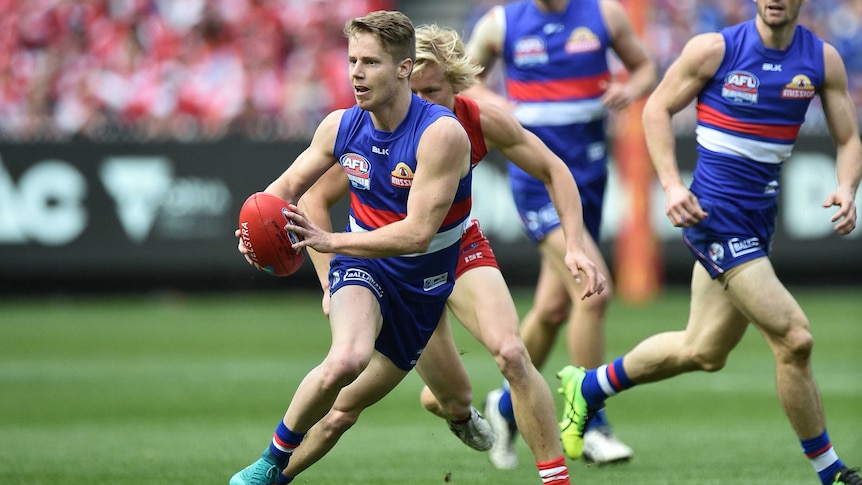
(283, 480)
(599, 419)
(604, 382)
(554, 472)
(822, 457)
(505, 404)
(284, 441)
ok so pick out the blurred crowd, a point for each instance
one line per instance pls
(154, 70)
(839, 22)
(172, 70)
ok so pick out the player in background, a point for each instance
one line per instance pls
(395, 267)
(481, 299)
(559, 86)
(753, 83)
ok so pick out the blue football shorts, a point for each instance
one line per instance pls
(407, 323)
(730, 235)
(539, 216)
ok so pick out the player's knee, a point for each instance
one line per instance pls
(600, 302)
(342, 369)
(553, 316)
(513, 359)
(335, 423)
(708, 361)
(797, 346)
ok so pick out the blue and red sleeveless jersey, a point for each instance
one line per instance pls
(750, 112)
(555, 65)
(380, 166)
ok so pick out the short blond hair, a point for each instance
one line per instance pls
(443, 46)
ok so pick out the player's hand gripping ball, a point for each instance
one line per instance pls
(265, 232)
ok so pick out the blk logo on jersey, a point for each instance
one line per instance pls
(530, 50)
(741, 87)
(358, 170)
(553, 28)
(799, 88)
(582, 40)
(402, 176)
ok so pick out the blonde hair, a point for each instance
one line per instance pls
(443, 46)
(393, 29)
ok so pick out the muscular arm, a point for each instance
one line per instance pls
(680, 86)
(311, 164)
(484, 48)
(843, 125)
(443, 158)
(503, 132)
(315, 204)
(642, 71)
(527, 151)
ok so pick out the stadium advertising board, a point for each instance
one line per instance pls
(153, 215)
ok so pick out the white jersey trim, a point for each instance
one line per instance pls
(756, 150)
(441, 240)
(559, 113)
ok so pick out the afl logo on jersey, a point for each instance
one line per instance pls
(582, 40)
(358, 170)
(530, 50)
(740, 87)
(799, 88)
(402, 176)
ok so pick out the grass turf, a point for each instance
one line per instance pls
(186, 389)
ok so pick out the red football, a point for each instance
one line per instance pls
(264, 229)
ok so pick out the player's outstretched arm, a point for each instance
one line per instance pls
(844, 127)
(311, 164)
(527, 151)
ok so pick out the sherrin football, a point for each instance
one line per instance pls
(265, 231)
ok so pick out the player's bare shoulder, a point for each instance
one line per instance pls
(833, 64)
(486, 42)
(702, 55)
(327, 131)
(445, 140)
(615, 17)
(500, 128)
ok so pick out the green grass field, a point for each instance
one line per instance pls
(186, 389)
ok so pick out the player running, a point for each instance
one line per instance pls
(481, 299)
(559, 86)
(753, 83)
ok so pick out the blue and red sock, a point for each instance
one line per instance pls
(822, 456)
(284, 441)
(605, 381)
